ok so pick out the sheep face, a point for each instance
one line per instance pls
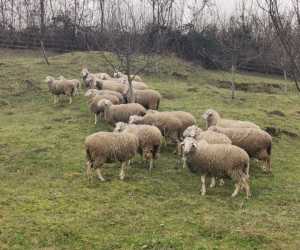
(120, 126)
(84, 73)
(211, 116)
(90, 93)
(189, 145)
(191, 131)
(147, 154)
(134, 119)
(49, 79)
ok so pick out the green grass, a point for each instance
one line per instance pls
(47, 203)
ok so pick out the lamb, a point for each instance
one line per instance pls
(222, 160)
(97, 107)
(121, 75)
(256, 142)
(148, 98)
(60, 87)
(93, 92)
(121, 112)
(107, 147)
(149, 137)
(213, 118)
(76, 83)
(169, 125)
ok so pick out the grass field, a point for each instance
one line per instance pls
(47, 203)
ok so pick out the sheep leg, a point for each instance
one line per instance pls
(54, 99)
(122, 172)
(213, 182)
(89, 170)
(96, 119)
(203, 187)
(100, 177)
(237, 189)
(150, 165)
(268, 163)
(70, 100)
(245, 182)
(183, 162)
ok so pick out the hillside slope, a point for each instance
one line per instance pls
(46, 202)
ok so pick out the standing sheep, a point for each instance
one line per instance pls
(149, 137)
(76, 83)
(106, 147)
(95, 92)
(213, 118)
(60, 87)
(97, 107)
(222, 160)
(256, 142)
(121, 75)
(148, 98)
(121, 112)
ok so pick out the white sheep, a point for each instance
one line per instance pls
(221, 160)
(256, 142)
(150, 139)
(213, 118)
(148, 98)
(107, 147)
(60, 87)
(76, 83)
(121, 112)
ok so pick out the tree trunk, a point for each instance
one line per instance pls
(42, 29)
(102, 14)
(232, 82)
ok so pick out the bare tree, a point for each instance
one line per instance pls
(286, 39)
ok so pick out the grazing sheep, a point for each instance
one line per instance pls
(109, 85)
(213, 118)
(93, 92)
(256, 142)
(76, 82)
(148, 98)
(169, 125)
(103, 76)
(60, 87)
(121, 112)
(107, 147)
(150, 139)
(121, 75)
(97, 107)
(221, 160)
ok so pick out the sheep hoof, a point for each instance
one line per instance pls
(221, 182)
(101, 179)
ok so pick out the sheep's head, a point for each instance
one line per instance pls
(84, 73)
(106, 103)
(120, 126)
(214, 129)
(90, 93)
(211, 116)
(151, 111)
(117, 74)
(134, 119)
(61, 77)
(191, 131)
(189, 145)
(49, 79)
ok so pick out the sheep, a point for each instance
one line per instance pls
(150, 139)
(148, 98)
(121, 75)
(210, 137)
(256, 142)
(60, 87)
(103, 76)
(76, 83)
(97, 107)
(93, 92)
(213, 118)
(109, 85)
(222, 160)
(169, 125)
(107, 147)
(121, 112)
